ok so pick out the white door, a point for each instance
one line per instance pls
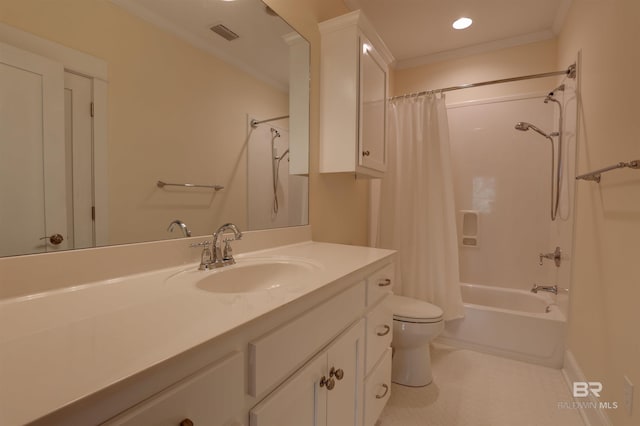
(78, 99)
(32, 160)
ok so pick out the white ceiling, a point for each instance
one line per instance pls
(260, 50)
(419, 31)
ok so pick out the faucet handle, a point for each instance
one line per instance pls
(227, 253)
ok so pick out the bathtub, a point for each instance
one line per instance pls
(512, 323)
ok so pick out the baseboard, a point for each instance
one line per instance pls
(590, 411)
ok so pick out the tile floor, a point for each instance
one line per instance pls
(476, 389)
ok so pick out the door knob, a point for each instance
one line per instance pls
(366, 153)
(54, 239)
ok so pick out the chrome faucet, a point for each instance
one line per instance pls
(217, 257)
(182, 225)
(556, 256)
(223, 257)
(550, 288)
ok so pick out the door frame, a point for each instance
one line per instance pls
(96, 70)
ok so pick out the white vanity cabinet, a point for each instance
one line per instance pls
(321, 359)
(326, 391)
(353, 97)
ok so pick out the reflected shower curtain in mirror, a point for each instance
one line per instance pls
(417, 211)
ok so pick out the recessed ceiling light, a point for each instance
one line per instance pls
(462, 23)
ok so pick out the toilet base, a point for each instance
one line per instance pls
(412, 366)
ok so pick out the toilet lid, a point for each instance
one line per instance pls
(414, 310)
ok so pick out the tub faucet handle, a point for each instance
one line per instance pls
(556, 256)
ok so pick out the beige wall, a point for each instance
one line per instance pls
(175, 113)
(603, 328)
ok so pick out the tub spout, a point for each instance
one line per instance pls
(550, 288)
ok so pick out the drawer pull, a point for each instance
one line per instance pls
(339, 373)
(329, 383)
(386, 391)
(384, 283)
(186, 422)
(386, 331)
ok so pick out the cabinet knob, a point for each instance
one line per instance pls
(386, 391)
(54, 239)
(186, 422)
(329, 383)
(366, 153)
(384, 282)
(338, 374)
(386, 331)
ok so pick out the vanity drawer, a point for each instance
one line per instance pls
(379, 284)
(212, 396)
(377, 389)
(274, 356)
(379, 332)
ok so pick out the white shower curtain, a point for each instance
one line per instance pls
(417, 211)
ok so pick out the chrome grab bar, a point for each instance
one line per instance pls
(595, 175)
(162, 184)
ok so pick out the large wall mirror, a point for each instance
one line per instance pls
(119, 117)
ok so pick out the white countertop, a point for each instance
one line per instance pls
(61, 346)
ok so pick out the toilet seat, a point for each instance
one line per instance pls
(407, 309)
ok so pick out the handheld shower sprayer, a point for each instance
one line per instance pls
(555, 193)
(524, 126)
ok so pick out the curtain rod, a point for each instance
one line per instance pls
(570, 72)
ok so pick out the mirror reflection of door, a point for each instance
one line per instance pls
(32, 163)
(45, 125)
(79, 159)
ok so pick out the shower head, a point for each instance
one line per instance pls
(524, 126)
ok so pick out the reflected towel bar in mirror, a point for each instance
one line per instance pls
(162, 184)
(595, 175)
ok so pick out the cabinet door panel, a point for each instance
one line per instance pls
(373, 104)
(300, 401)
(344, 401)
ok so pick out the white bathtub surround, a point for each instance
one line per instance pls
(591, 413)
(510, 323)
(417, 212)
(476, 389)
(90, 341)
(504, 175)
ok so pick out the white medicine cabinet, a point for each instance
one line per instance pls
(353, 97)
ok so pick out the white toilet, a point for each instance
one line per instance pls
(415, 324)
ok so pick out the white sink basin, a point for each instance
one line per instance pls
(252, 275)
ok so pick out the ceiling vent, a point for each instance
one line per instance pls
(224, 32)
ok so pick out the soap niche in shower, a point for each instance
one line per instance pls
(469, 228)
